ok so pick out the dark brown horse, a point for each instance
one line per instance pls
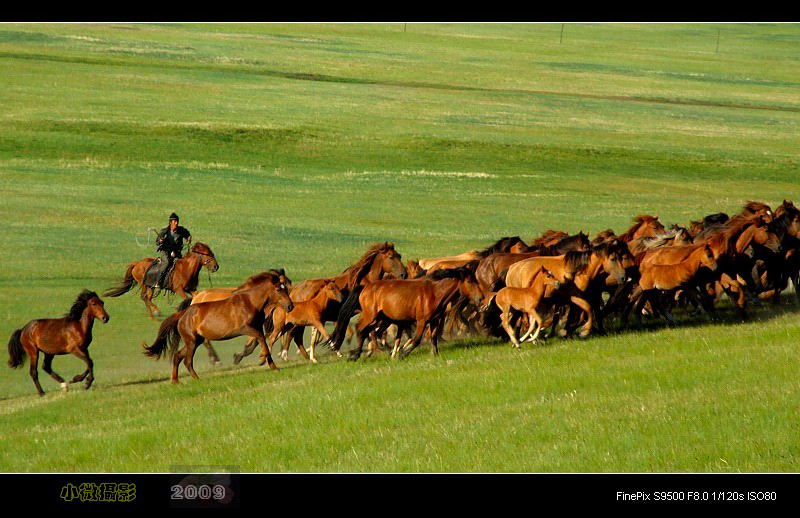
(183, 280)
(71, 334)
(239, 314)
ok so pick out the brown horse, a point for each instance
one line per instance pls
(404, 302)
(212, 294)
(239, 314)
(588, 270)
(183, 279)
(504, 244)
(307, 313)
(71, 334)
(683, 275)
(526, 300)
(492, 268)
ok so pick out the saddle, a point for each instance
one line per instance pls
(153, 273)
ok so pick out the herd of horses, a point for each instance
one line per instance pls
(557, 285)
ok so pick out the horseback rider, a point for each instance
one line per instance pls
(170, 245)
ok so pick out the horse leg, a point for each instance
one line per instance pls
(151, 306)
(176, 361)
(188, 360)
(258, 335)
(505, 322)
(47, 366)
(417, 339)
(362, 331)
(83, 354)
(534, 322)
(587, 308)
(212, 354)
(249, 347)
(34, 370)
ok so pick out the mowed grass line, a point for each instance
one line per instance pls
(297, 146)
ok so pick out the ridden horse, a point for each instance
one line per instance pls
(71, 334)
(526, 300)
(683, 275)
(404, 302)
(183, 279)
(240, 314)
(307, 313)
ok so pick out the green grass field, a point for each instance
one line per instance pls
(297, 146)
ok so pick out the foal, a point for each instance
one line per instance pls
(70, 334)
(526, 300)
(307, 313)
(683, 275)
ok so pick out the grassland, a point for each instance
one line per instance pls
(297, 146)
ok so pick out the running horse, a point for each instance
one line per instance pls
(405, 302)
(71, 334)
(238, 315)
(183, 280)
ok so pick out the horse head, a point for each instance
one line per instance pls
(207, 256)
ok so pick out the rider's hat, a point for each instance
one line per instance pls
(174, 216)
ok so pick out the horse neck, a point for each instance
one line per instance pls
(745, 239)
(86, 322)
(444, 288)
(590, 272)
(189, 265)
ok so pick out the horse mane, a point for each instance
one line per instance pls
(460, 273)
(730, 227)
(364, 263)
(201, 248)
(547, 236)
(638, 221)
(660, 240)
(578, 261)
(603, 235)
(753, 207)
(502, 245)
(614, 247)
(272, 275)
(80, 304)
(715, 219)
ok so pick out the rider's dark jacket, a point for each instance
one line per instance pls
(172, 242)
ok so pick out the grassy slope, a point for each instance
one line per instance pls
(296, 146)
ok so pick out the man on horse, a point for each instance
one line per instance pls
(170, 245)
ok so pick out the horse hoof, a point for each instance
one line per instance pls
(314, 361)
(65, 387)
(284, 356)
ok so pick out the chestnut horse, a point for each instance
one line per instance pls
(402, 302)
(183, 279)
(504, 244)
(71, 334)
(683, 275)
(526, 300)
(307, 313)
(239, 314)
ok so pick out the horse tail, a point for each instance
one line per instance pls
(16, 353)
(124, 287)
(269, 323)
(167, 335)
(184, 305)
(346, 312)
(500, 283)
